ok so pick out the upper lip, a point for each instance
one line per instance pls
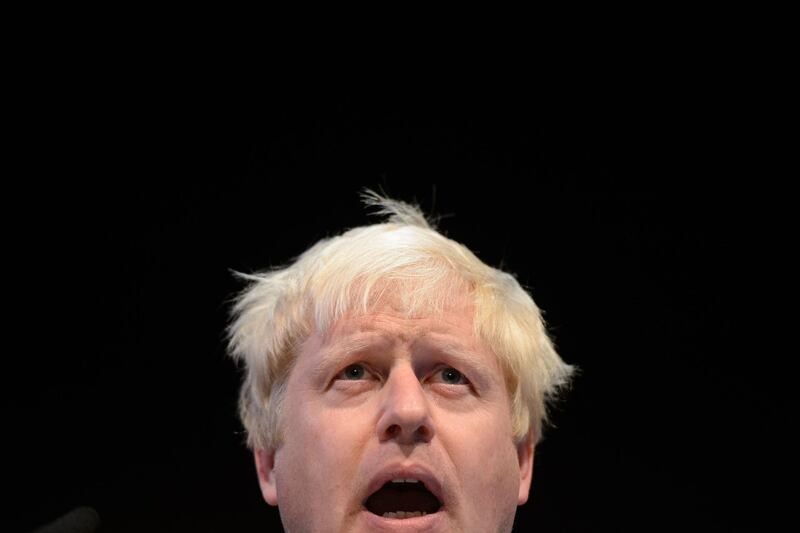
(413, 471)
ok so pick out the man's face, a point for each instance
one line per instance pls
(381, 397)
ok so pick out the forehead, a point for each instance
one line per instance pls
(433, 308)
(391, 322)
(386, 331)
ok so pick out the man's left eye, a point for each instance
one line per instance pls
(353, 372)
(451, 376)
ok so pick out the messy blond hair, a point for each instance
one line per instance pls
(405, 258)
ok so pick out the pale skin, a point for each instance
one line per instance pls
(381, 391)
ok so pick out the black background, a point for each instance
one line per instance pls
(629, 212)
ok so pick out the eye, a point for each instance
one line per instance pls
(451, 376)
(353, 372)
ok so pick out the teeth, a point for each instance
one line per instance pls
(405, 480)
(404, 514)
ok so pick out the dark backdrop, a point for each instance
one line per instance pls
(624, 213)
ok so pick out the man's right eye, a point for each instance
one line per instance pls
(353, 372)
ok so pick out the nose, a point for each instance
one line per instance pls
(405, 416)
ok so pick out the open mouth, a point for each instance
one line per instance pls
(403, 498)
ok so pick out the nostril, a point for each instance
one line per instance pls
(420, 434)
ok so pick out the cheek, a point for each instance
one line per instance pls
(485, 458)
(329, 432)
(491, 487)
(490, 455)
(324, 446)
(320, 456)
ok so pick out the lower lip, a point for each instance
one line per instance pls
(428, 522)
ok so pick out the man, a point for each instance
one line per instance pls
(393, 382)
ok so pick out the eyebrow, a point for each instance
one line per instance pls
(460, 355)
(333, 356)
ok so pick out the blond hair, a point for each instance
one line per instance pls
(405, 258)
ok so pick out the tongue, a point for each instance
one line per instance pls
(408, 497)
